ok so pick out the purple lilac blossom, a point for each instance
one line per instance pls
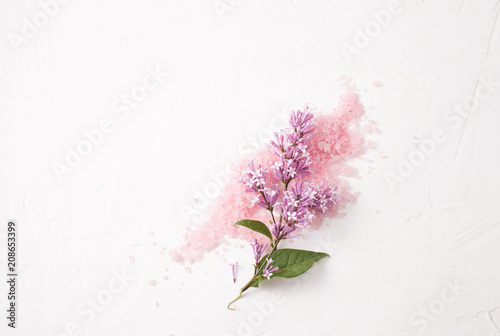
(291, 148)
(269, 269)
(258, 250)
(255, 181)
(302, 199)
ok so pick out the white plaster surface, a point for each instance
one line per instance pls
(421, 258)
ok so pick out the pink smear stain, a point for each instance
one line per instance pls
(337, 138)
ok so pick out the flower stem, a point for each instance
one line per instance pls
(252, 280)
(247, 286)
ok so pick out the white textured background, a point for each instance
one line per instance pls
(227, 71)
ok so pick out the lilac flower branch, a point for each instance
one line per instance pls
(298, 201)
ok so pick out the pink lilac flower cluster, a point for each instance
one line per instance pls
(300, 199)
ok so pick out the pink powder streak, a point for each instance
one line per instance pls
(336, 139)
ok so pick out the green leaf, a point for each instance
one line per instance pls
(256, 226)
(291, 263)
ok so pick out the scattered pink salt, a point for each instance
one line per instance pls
(153, 243)
(188, 269)
(151, 233)
(338, 138)
(383, 157)
(368, 128)
(131, 259)
(165, 277)
(157, 304)
(378, 211)
(152, 282)
(377, 84)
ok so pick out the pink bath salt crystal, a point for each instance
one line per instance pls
(377, 84)
(384, 157)
(370, 107)
(152, 282)
(153, 243)
(151, 233)
(377, 130)
(188, 269)
(324, 146)
(372, 144)
(371, 167)
(368, 171)
(365, 90)
(165, 277)
(176, 256)
(157, 304)
(131, 259)
(368, 129)
(239, 246)
(365, 159)
(166, 269)
(378, 211)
